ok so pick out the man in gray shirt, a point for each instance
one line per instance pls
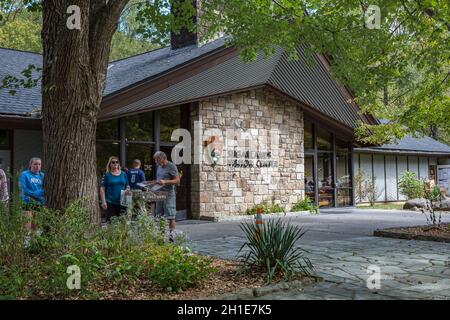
(167, 176)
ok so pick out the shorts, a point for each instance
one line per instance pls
(31, 206)
(167, 207)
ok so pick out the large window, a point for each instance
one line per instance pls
(4, 139)
(141, 134)
(325, 179)
(328, 178)
(108, 130)
(308, 138)
(170, 120)
(104, 151)
(324, 140)
(143, 152)
(107, 143)
(139, 127)
(309, 176)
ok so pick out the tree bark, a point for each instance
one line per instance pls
(74, 73)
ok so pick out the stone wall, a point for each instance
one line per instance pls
(231, 187)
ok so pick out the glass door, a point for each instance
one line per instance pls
(325, 179)
(309, 176)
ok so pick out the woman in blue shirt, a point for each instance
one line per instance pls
(113, 183)
(31, 186)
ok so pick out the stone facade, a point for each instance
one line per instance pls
(233, 185)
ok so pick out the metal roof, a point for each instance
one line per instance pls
(410, 144)
(121, 73)
(310, 82)
(231, 75)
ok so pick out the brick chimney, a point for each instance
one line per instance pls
(185, 37)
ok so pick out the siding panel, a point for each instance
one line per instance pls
(391, 178)
(423, 167)
(378, 169)
(402, 167)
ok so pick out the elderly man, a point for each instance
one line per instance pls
(167, 176)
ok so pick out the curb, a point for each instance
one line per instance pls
(265, 216)
(246, 294)
(387, 233)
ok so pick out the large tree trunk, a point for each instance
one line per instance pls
(74, 74)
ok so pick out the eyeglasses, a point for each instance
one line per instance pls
(114, 162)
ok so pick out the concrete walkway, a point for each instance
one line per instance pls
(342, 249)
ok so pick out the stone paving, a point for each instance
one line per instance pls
(409, 269)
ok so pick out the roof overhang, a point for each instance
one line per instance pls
(401, 152)
(19, 122)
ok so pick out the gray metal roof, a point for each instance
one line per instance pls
(230, 75)
(310, 82)
(410, 144)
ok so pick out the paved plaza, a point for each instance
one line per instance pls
(341, 248)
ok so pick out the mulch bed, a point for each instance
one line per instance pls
(427, 233)
(221, 282)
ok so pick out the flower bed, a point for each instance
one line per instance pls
(427, 233)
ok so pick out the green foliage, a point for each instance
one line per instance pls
(307, 204)
(360, 183)
(175, 268)
(410, 186)
(265, 207)
(20, 29)
(127, 251)
(372, 192)
(272, 248)
(397, 72)
(366, 188)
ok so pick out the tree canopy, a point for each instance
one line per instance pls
(21, 27)
(392, 54)
(398, 71)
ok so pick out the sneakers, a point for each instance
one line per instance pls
(26, 242)
(172, 236)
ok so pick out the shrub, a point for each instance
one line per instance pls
(410, 186)
(372, 192)
(307, 204)
(173, 268)
(116, 256)
(271, 248)
(360, 186)
(266, 208)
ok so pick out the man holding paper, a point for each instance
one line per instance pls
(167, 176)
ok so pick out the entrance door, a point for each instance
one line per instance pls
(325, 179)
(309, 177)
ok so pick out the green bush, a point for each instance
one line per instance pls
(410, 186)
(271, 248)
(118, 255)
(265, 207)
(307, 204)
(173, 268)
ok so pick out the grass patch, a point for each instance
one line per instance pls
(383, 206)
